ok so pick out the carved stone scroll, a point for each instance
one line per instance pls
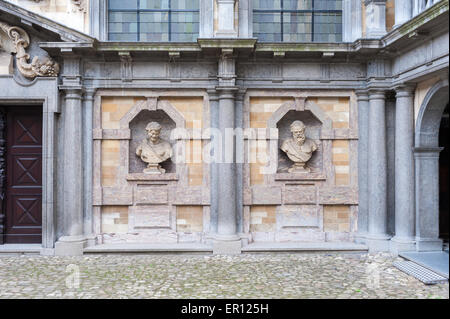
(38, 66)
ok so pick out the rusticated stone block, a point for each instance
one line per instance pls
(338, 196)
(187, 196)
(297, 216)
(151, 194)
(300, 194)
(147, 216)
(117, 196)
(266, 195)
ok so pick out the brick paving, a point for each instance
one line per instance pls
(182, 276)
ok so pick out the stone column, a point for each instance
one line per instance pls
(375, 18)
(88, 164)
(227, 240)
(73, 240)
(427, 198)
(403, 11)
(363, 144)
(377, 237)
(404, 170)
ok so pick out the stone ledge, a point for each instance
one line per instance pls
(149, 248)
(301, 247)
(300, 177)
(20, 249)
(152, 177)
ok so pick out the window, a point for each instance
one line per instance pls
(297, 20)
(153, 20)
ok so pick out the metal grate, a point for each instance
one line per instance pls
(423, 274)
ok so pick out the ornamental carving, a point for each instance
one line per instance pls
(39, 66)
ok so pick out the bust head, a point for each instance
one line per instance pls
(153, 131)
(298, 131)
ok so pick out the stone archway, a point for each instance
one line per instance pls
(426, 154)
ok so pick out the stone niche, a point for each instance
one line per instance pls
(313, 128)
(138, 133)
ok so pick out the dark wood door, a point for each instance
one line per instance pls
(23, 175)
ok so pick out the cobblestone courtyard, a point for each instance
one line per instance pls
(182, 276)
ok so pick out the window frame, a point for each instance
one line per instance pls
(138, 11)
(312, 11)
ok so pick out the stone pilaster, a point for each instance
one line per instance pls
(427, 198)
(214, 113)
(403, 11)
(225, 19)
(377, 237)
(88, 164)
(363, 144)
(404, 170)
(375, 18)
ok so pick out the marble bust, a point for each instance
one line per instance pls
(153, 150)
(299, 149)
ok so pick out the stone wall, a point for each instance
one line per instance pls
(319, 206)
(130, 206)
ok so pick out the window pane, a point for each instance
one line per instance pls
(154, 26)
(297, 27)
(185, 4)
(185, 26)
(297, 4)
(267, 4)
(154, 4)
(124, 23)
(327, 4)
(267, 26)
(327, 27)
(121, 4)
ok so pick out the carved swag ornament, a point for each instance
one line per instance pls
(38, 66)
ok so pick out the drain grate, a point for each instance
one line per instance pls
(425, 275)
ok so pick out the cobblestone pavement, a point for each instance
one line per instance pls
(182, 276)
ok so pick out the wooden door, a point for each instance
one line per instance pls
(23, 211)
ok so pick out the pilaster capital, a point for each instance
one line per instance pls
(227, 92)
(362, 95)
(72, 92)
(377, 94)
(213, 95)
(404, 90)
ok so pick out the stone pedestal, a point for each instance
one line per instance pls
(375, 18)
(377, 237)
(404, 170)
(225, 17)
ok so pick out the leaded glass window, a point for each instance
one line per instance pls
(297, 20)
(153, 20)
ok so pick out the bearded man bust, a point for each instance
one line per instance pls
(299, 148)
(153, 150)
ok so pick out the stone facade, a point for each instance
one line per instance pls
(364, 103)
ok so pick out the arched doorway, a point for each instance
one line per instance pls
(444, 178)
(427, 153)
